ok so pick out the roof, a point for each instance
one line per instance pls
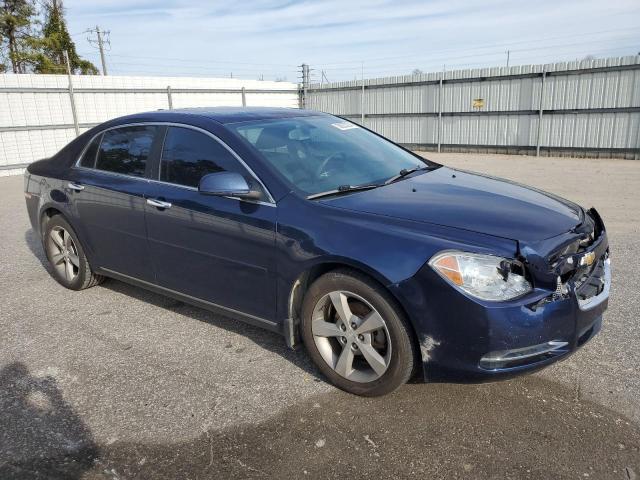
(241, 114)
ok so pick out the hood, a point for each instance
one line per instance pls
(468, 201)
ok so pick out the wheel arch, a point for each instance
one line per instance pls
(306, 278)
(46, 213)
(50, 210)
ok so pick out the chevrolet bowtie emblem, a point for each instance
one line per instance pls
(588, 259)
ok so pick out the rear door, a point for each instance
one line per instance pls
(216, 249)
(109, 192)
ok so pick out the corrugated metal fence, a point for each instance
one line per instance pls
(578, 108)
(38, 116)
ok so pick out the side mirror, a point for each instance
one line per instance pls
(227, 184)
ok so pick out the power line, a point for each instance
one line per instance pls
(554, 57)
(245, 67)
(489, 45)
(396, 72)
(200, 66)
(211, 69)
(207, 60)
(378, 66)
(202, 71)
(558, 51)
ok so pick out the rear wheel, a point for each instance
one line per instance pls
(356, 334)
(66, 256)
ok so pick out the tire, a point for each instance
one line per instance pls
(69, 264)
(327, 338)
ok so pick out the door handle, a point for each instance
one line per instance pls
(75, 186)
(158, 203)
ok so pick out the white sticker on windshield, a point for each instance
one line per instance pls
(344, 125)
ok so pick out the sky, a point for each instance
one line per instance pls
(342, 39)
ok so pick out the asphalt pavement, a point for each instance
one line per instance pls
(116, 382)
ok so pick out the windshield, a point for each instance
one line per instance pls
(320, 154)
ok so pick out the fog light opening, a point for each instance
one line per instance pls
(522, 356)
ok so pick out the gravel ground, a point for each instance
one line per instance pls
(117, 382)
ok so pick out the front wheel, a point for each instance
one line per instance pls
(356, 334)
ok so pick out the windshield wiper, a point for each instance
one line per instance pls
(404, 172)
(344, 189)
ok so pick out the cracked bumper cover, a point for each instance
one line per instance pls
(469, 340)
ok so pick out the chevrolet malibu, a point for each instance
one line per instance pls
(383, 264)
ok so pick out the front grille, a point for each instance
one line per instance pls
(587, 278)
(588, 232)
(579, 264)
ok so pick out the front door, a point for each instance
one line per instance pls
(216, 249)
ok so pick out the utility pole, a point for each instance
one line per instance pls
(72, 99)
(101, 47)
(323, 78)
(101, 40)
(508, 54)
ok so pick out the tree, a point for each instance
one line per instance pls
(416, 71)
(53, 43)
(28, 48)
(3, 67)
(16, 26)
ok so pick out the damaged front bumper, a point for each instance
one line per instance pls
(467, 340)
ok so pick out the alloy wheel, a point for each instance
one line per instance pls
(351, 336)
(63, 253)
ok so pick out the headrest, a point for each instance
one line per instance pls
(271, 137)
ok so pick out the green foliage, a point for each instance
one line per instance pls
(17, 18)
(55, 40)
(37, 45)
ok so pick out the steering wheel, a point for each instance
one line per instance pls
(322, 169)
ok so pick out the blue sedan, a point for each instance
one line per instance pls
(383, 264)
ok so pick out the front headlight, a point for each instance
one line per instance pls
(486, 277)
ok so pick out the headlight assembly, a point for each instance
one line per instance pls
(486, 277)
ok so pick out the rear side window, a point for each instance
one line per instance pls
(88, 159)
(125, 150)
(187, 156)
